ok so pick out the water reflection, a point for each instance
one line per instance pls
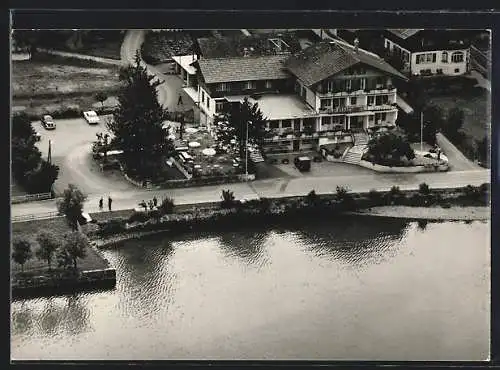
(354, 241)
(49, 317)
(247, 247)
(143, 277)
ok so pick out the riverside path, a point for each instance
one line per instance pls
(274, 188)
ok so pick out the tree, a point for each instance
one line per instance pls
(75, 247)
(482, 150)
(389, 145)
(454, 123)
(167, 206)
(22, 128)
(232, 125)
(25, 158)
(424, 189)
(48, 245)
(42, 179)
(101, 98)
(71, 205)
(21, 252)
(137, 123)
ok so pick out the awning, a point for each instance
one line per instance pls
(404, 106)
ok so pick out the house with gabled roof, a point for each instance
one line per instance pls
(312, 97)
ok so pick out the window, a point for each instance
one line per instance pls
(420, 58)
(353, 100)
(339, 102)
(444, 57)
(286, 123)
(381, 99)
(348, 85)
(330, 86)
(325, 120)
(457, 57)
(326, 103)
(371, 100)
(336, 120)
(380, 116)
(457, 70)
(274, 124)
(430, 57)
(362, 84)
(219, 106)
(223, 87)
(250, 85)
(269, 84)
(371, 117)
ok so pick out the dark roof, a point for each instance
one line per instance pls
(426, 40)
(325, 59)
(243, 68)
(256, 45)
(404, 33)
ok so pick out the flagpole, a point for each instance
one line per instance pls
(421, 131)
(49, 156)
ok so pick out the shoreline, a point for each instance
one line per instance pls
(454, 213)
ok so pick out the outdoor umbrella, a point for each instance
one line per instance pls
(191, 130)
(208, 152)
(194, 144)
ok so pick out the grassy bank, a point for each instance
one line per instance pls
(230, 214)
(29, 230)
(52, 83)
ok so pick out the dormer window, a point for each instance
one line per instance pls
(223, 86)
(457, 57)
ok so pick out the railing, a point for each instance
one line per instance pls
(30, 198)
(38, 216)
(375, 90)
(357, 108)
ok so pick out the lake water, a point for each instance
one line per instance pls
(353, 288)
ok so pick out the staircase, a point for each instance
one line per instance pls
(255, 156)
(354, 154)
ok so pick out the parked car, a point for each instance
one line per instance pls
(38, 136)
(91, 117)
(48, 122)
(303, 164)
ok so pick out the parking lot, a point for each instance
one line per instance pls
(71, 143)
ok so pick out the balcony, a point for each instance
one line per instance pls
(382, 89)
(303, 135)
(357, 108)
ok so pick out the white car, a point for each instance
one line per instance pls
(91, 117)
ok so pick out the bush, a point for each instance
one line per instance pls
(471, 192)
(113, 226)
(312, 198)
(342, 192)
(138, 217)
(167, 206)
(424, 189)
(374, 195)
(228, 199)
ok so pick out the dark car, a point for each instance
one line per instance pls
(48, 122)
(303, 164)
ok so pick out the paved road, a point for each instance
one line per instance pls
(457, 160)
(272, 188)
(71, 151)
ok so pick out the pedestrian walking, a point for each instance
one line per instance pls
(155, 201)
(101, 203)
(109, 203)
(439, 154)
(179, 101)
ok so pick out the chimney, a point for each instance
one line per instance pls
(356, 44)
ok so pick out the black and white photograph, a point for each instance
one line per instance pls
(250, 194)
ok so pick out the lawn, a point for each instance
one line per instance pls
(58, 226)
(476, 110)
(50, 76)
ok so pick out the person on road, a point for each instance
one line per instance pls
(101, 203)
(109, 203)
(179, 101)
(155, 201)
